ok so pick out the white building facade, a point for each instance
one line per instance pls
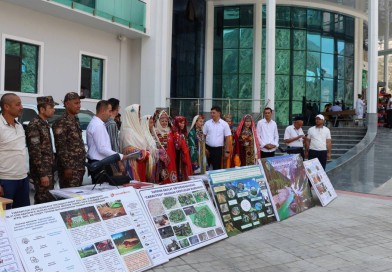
(125, 49)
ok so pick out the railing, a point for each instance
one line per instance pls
(129, 13)
(189, 107)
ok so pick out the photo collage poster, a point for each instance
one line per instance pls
(242, 197)
(183, 215)
(107, 231)
(289, 185)
(320, 181)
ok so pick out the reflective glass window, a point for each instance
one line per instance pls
(21, 67)
(327, 44)
(314, 42)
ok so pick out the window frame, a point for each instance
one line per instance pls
(40, 70)
(104, 74)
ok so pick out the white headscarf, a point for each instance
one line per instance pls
(194, 121)
(149, 135)
(159, 128)
(131, 133)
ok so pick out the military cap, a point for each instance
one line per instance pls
(72, 95)
(46, 100)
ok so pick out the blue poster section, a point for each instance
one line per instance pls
(242, 197)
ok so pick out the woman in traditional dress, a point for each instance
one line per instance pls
(132, 139)
(168, 171)
(147, 123)
(183, 158)
(247, 147)
(196, 144)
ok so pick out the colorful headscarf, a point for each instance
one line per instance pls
(177, 121)
(159, 128)
(254, 132)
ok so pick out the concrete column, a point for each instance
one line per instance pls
(156, 58)
(209, 56)
(386, 41)
(358, 58)
(270, 55)
(257, 51)
(373, 54)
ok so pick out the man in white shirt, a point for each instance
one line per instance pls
(14, 183)
(218, 135)
(318, 142)
(267, 131)
(98, 140)
(294, 137)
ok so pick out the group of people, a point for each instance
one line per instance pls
(167, 151)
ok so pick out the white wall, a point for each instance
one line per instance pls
(63, 42)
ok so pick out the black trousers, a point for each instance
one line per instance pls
(389, 118)
(296, 150)
(320, 155)
(215, 158)
(267, 154)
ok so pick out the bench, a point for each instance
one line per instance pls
(339, 116)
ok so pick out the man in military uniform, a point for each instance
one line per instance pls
(40, 148)
(70, 150)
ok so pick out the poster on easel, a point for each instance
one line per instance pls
(183, 216)
(320, 181)
(289, 185)
(107, 231)
(242, 197)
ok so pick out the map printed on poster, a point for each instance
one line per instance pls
(320, 181)
(243, 198)
(9, 258)
(183, 215)
(289, 185)
(108, 231)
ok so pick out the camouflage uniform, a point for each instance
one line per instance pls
(41, 158)
(70, 150)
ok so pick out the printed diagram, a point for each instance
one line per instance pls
(127, 241)
(244, 202)
(87, 251)
(183, 217)
(177, 216)
(170, 202)
(111, 210)
(203, 218)
(80, 217)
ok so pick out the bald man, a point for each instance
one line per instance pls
(14, 183)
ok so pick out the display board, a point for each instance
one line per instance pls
(289, 185)
(9, 258)
(242, 197)
(107, 231)
(320, 181)
(183, 215)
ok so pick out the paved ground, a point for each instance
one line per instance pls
(353, 233)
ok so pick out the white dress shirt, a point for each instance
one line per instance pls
(216, 132)
(98, 141)
(292, 132)
(268, 134)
